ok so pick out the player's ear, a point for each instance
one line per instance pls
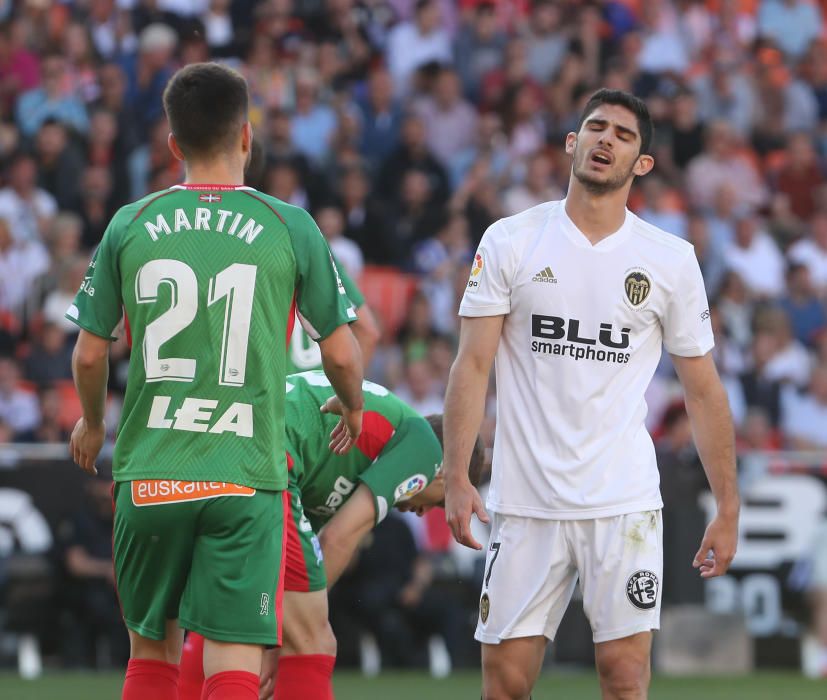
(571, 142)
(174, 147)
(644, 164)
(247, 137)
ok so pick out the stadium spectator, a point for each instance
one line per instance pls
(478, 47)
(800, 175)
(451, 119)
(27, 208)
(806, 313)
(791, 24)
(812, 251)
(58, 163)
(756, 389)
(755, 257)
(19, 407)
(21, 264)
(50, 358)
(51, 100)
(332, 224)
(721, 164)
(413, 44)
(419, 390)
(313, 122)
(381, 119)
(726, 96)
(790, 362)
(662, 207)
(412, 152)
(708, 251)
(805, 413)
(147, 73)
(19, 68)
(97, 630)
(538, 186)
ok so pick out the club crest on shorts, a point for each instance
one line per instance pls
(485, 607)
(642, 589)
(637, 286)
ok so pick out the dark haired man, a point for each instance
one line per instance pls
(576, 299)
(396, 463)
(207, 275)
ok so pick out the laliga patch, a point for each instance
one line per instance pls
(410, 487)
(642, 589)
(476, 273)
(485, 607)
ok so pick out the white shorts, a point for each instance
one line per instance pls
(533, 564)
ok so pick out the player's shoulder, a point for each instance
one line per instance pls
(292, 216)
(531, 220)
(523, 226)
(660, 244)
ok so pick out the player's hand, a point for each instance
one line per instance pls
(462, 500)
(718, 546)
(267, 677)
(85, 444)
(332, 405)
(346, 432)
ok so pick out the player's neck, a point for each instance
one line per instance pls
(597, 216)
(214, 173)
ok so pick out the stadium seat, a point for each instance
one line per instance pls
(388, 292)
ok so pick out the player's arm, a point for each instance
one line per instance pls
(97, 309)
(364, 327)
(342, 362)
(708, 409)
(90, 368)
(464, 409)
(325, 311)
(367, 332)
(341, 536)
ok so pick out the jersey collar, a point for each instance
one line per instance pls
(577, 237)
(211, 188)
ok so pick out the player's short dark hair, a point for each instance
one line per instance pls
(206, 104)
(477, 461)
(635, 105)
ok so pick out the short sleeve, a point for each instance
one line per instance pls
(353, 292)
(488, 291)
(405, 467)
(687, 328)
(321, 301)
(98, 306)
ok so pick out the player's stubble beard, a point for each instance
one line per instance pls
(597, 186)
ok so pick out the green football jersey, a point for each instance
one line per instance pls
(396, 455)
(208, 278)
(303, 353)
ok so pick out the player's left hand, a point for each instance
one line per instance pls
(85, 444)
(717, 547)
(332, 405)
(267, 677)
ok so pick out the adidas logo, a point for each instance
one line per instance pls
(545, 275)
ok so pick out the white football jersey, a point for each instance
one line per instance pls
(581, 340)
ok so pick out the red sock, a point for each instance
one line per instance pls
(146, 678)
(192, 668)
(305, 677)
(231, 685)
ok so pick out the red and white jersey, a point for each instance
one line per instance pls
(581, 339)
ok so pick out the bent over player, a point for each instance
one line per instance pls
(208, 274)
(396, 462)
(576, 298)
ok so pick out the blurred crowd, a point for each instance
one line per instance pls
(406, 127)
